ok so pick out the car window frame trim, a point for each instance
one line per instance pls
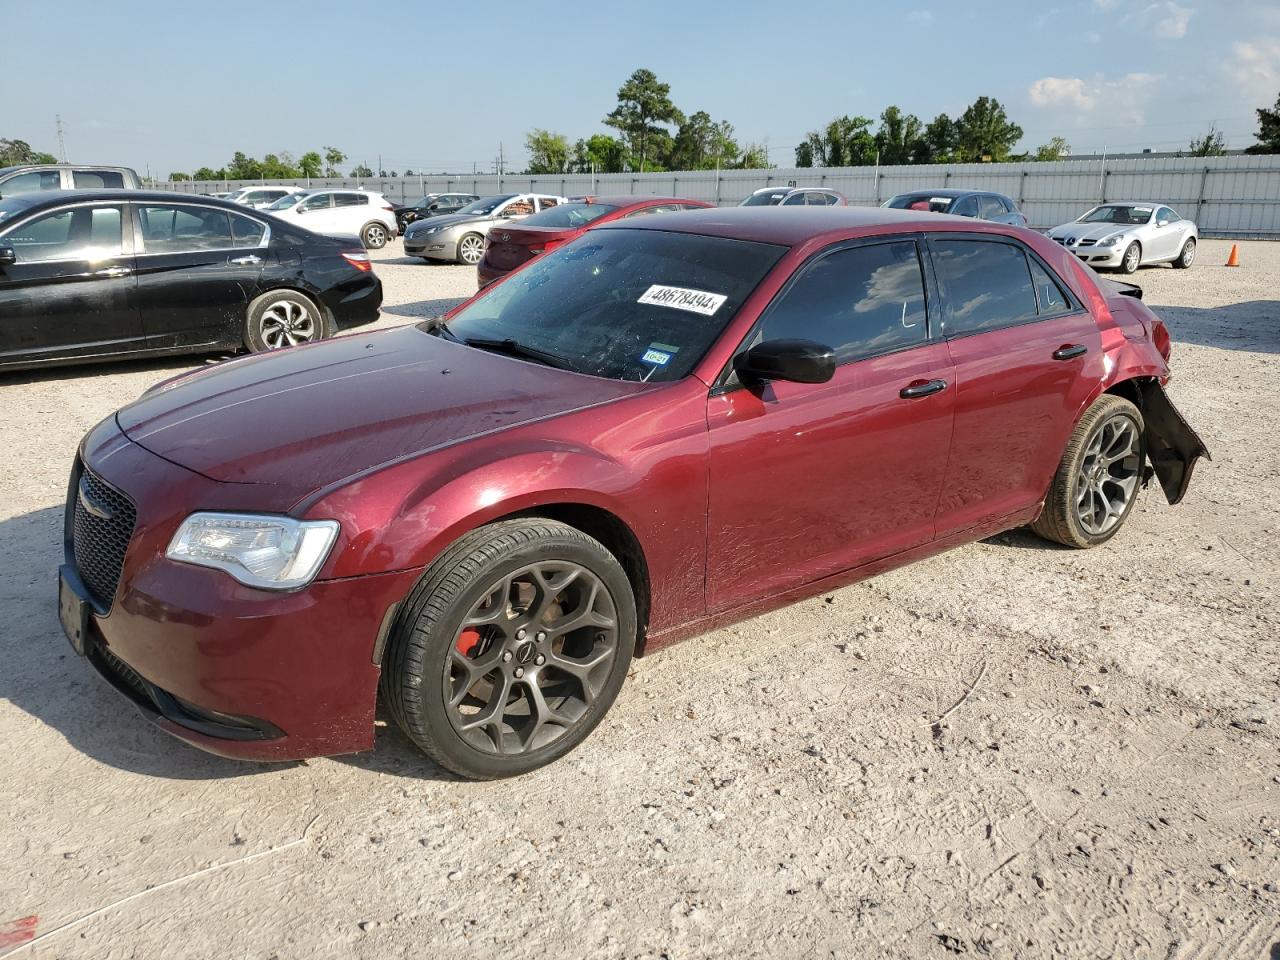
(127, 244)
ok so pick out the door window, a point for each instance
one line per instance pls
(246, 232)
(319, 201)
(546, 203)
(517, 208)
(183, 229)
(965, 207)
(350, 199)
(1048, 291)
(98, 179)
(795, 200)
(991, 208)
(81, 233)
(31, 182)
(987, 285)
(861, 301)
(1164, 213)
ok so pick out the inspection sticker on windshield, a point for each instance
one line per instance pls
(659, 353)
(682, 298)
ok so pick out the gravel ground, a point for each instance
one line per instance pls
(1104, 780)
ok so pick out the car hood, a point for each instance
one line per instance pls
(1092, 231)
(309, 417)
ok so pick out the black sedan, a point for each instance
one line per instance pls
(432, 205)
(98, 275)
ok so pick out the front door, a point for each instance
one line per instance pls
(315, 213)
(198, 268)
(71, 291)
(1026, 355)
(808, 480)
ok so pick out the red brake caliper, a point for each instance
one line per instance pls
(468, 640)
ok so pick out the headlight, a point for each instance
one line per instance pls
(1116, 241)
(271, 552)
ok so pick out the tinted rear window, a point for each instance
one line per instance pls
(568, 215)
(920, 201)
(986, 285)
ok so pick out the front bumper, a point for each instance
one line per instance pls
(1096, 256)
(239, 672)
(433, 246)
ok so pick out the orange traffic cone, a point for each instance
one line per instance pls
(1234, 259)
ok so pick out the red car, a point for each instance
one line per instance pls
(510, 247)
(666, 425)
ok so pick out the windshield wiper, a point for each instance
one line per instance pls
(513, 348)
(440, 327)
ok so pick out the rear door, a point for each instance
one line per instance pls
(1026, 356)
(72, 291)
(198, 268)
(808, 480)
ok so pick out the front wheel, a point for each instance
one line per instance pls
(1131, 259)
(1188, 255)
(471, 249)
(1097, 481)
(511, 648)
(374, 236)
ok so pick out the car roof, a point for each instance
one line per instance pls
(52, 198)
(627, 200)
(951, 192)
(794, 227)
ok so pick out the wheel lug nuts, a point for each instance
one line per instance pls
(520, 634)
(506, 657)
(519, 672)
(540, 660)
(541, 636)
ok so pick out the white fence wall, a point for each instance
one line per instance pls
(1226, 196)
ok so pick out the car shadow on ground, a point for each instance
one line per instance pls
(1251, 325)
(422, 309)
(44, 678)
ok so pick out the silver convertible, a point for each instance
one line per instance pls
(1127, 235)
(459, 237)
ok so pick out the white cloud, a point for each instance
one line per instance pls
(1254, 67)
(920, 16)
(1104, 4)
(1168, 20)
(1123, 98)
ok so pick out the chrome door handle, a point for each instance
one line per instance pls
(113, 272)
(1070, 351)
(925, 389)
(245, 261)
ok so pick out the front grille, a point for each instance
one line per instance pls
(1087, 243)
(102, 523)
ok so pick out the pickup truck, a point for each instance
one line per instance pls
(30, 177)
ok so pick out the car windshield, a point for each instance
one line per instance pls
(624, 304)
(423, 201)
(1117, 213)
(769, 199)
(487, 204)
(10, 207)
(568, 215)
(287, 201)
(920, 201)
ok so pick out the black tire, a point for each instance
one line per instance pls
(428, 636)
(1132, 258)
(375, 235)
(1061, 518)
(1188, 255)
(466, 257)
(270, 317)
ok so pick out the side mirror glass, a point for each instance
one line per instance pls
(7, 255)
(1162, 223)
(797, 361)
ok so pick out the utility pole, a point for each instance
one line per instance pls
(62, 142)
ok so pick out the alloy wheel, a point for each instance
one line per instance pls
(471, 250)
(1131, 258)
(1189, 253)
(287, 323)
(376, 237)
(1109, 474)
(530, 657)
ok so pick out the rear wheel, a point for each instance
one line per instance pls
(1132, 258)
(471, 249)
(282, 318)
(511, 649)
(1097, 481)
(1188, 255)
(374, 235)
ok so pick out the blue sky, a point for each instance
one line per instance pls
(170, 86)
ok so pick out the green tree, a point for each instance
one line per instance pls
(362, 171)
(179, 176)
(310, 163)
(243, 168)
(280, 167)
(938, 145)
(1268, 130)
(899, 136)
(548, 151)
(644, 104)
(985, 133)
(845, 142)
(600, 152)
(1212, 144)
(754, 156)
(13, 152)
(333, 159)
(704, 144)
(1055, 149)
(207, 173)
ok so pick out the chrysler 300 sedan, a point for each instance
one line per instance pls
(102, 275)
(667, 424)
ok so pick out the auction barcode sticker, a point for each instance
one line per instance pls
(682, 298)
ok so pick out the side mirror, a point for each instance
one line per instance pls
(7, 255)
(797, 361)
(1162, 223)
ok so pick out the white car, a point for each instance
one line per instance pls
(369, 216)
(1125, 236)
(259, 197)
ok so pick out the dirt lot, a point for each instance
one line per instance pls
(1110, 786)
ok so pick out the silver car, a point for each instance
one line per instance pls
(459, 237)
(1124, 236)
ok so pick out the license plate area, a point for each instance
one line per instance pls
(74, 609)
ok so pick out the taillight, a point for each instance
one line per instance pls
(387, 206)
(358, 259)
(1160, 338)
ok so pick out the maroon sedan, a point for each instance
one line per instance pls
(507, 248)
(666, 425)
